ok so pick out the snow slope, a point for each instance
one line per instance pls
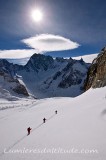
(79, 124)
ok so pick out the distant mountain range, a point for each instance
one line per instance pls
(43, 76)
(23, 61)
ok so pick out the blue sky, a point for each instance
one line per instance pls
(80, 21)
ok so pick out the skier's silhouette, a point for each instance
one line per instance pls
(29, 129)
(44, 120)
(56, 112)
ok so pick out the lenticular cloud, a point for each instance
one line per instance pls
(49, 42)
(40, 44)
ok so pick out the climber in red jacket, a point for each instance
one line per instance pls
(29, 130)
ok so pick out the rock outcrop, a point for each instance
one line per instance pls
(96, 76)
(9, 80)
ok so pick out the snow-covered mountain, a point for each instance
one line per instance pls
(44, 76)
(54, 77)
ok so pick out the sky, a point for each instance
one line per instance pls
(68, 28)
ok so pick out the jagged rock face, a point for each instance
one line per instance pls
(20, 89)
(96, 76)
(73, 74)
(12, 84)
(7, 79)
(73, 78)
(38, 61)
(70, 76)
(9, 67)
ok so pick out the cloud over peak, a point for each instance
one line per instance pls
(40, 44)
(49, 42)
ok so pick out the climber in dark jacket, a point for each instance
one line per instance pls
(29, 130)
(56, 112)
(44, 120)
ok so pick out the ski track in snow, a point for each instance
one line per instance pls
(21, 108)
(25, 136)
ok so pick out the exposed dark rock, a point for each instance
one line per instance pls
(56, 75)
(20, 89)
(39, 61)
(73, 78)
(7, 73)
(96, 76)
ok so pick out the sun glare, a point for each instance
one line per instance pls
(37, 15)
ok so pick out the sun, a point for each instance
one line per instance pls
(37, 15)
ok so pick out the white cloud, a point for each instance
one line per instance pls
(40, 43)
(18, 53)
(87, 58)
(49, 42)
